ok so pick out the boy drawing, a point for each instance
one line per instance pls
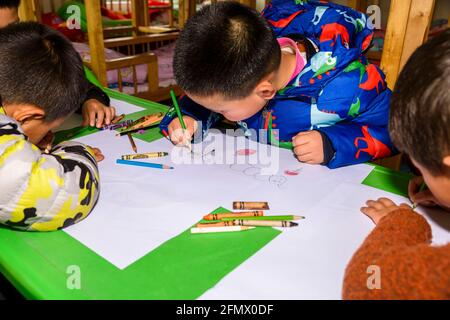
(298, 68)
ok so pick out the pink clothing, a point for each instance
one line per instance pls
(287, 42)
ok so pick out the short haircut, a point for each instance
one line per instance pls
(39, 66)
(9, 4)
(420, 110)
(226, 48)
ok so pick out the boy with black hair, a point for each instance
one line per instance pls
(95, 107)
(42, 192)
(298, 69)
(399, 245)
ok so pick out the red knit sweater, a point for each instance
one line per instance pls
(409, 267)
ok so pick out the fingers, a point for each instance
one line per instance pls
(96, 114)
(405, 206)
(368, 211)
(100, 117)
(46, 143)
(91, 116)
(303, 156)
(425, 198)
(108, 117)
(178, 135)
(308, 147)
(301, 139)
(113, 113)
(414, 186)
(98, 154)
(181, 137)
(386, 202)
(375, 205)
(99, 157)
(372, 213)
(110, 113)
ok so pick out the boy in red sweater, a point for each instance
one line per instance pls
(400, 245)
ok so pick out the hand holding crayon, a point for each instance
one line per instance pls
(178, 135)
(418, 194)
(179, 132)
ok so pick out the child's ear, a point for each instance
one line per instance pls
(25, 112)
(446, 161)
(265, 90)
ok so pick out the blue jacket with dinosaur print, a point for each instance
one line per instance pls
(337, 93)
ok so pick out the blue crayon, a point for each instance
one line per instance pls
(143, 164)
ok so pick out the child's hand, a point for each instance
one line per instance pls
(97, 153)
(376, 210)
(96, 113)
(46, 143)
(425, 197)
(179, 136)
(308, 147)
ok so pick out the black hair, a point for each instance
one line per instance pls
(420, 109)
(39, 66)
(9, 4)
(226, 48)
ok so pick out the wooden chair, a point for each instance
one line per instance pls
(138, 50)
(136, 47)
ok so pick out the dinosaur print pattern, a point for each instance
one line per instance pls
(374, 79)
(333, 31)
(374, 147)
(322, 119)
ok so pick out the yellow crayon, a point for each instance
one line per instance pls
(249, 223)
(144, 155)
(218, 216)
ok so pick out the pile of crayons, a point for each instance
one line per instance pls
(244, 220)
(116, 124)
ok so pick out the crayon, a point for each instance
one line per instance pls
(262, 223)
(249, 223)
(165, 134)
(220, 229)
(218, 216)
(144, 155)
(115, 126)
(271, 218)
(180, 117)
(133, 145)
(143, 122)
(242, 205)
(117, 119)
(177, 109)
(143, 164)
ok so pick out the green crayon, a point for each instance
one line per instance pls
(271, 218)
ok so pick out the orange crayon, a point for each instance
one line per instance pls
(245, 205)
(117, 119)
(218, 216)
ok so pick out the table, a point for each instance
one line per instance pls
(49, 265)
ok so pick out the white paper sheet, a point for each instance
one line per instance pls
(309, 262)
(141, 208)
